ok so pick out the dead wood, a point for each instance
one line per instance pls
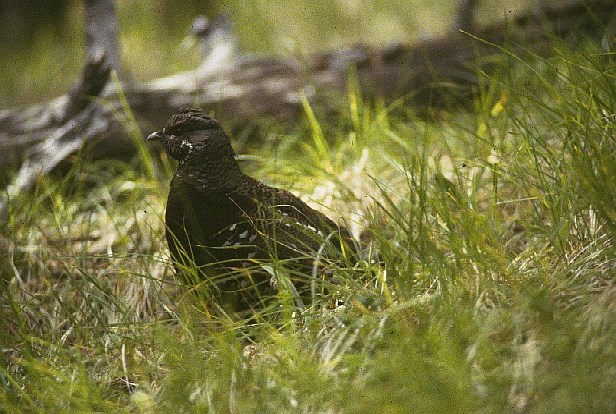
(240, 88)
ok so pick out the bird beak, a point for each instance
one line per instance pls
(156, 136)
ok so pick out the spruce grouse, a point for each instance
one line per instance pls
(228, 224)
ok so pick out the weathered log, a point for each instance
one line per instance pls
(241, 88)
(102, 31)
(66, 124)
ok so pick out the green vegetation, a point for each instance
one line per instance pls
(155, 36)
(495, 289)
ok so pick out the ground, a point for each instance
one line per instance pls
(492, 290)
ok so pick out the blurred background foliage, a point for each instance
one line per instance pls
(42, 41)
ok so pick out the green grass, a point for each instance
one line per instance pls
(495, 228)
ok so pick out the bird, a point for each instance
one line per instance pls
(226, 224)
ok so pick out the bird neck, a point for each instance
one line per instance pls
(213, 173)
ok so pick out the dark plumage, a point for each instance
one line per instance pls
(226, 222)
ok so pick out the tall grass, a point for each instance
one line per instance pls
(489, 286)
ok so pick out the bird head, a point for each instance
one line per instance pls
(191, 132)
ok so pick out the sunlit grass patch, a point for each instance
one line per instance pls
(486, 283)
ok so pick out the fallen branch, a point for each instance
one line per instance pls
(73, 121)
(241, 88)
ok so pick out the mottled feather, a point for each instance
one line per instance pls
(225, 221)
